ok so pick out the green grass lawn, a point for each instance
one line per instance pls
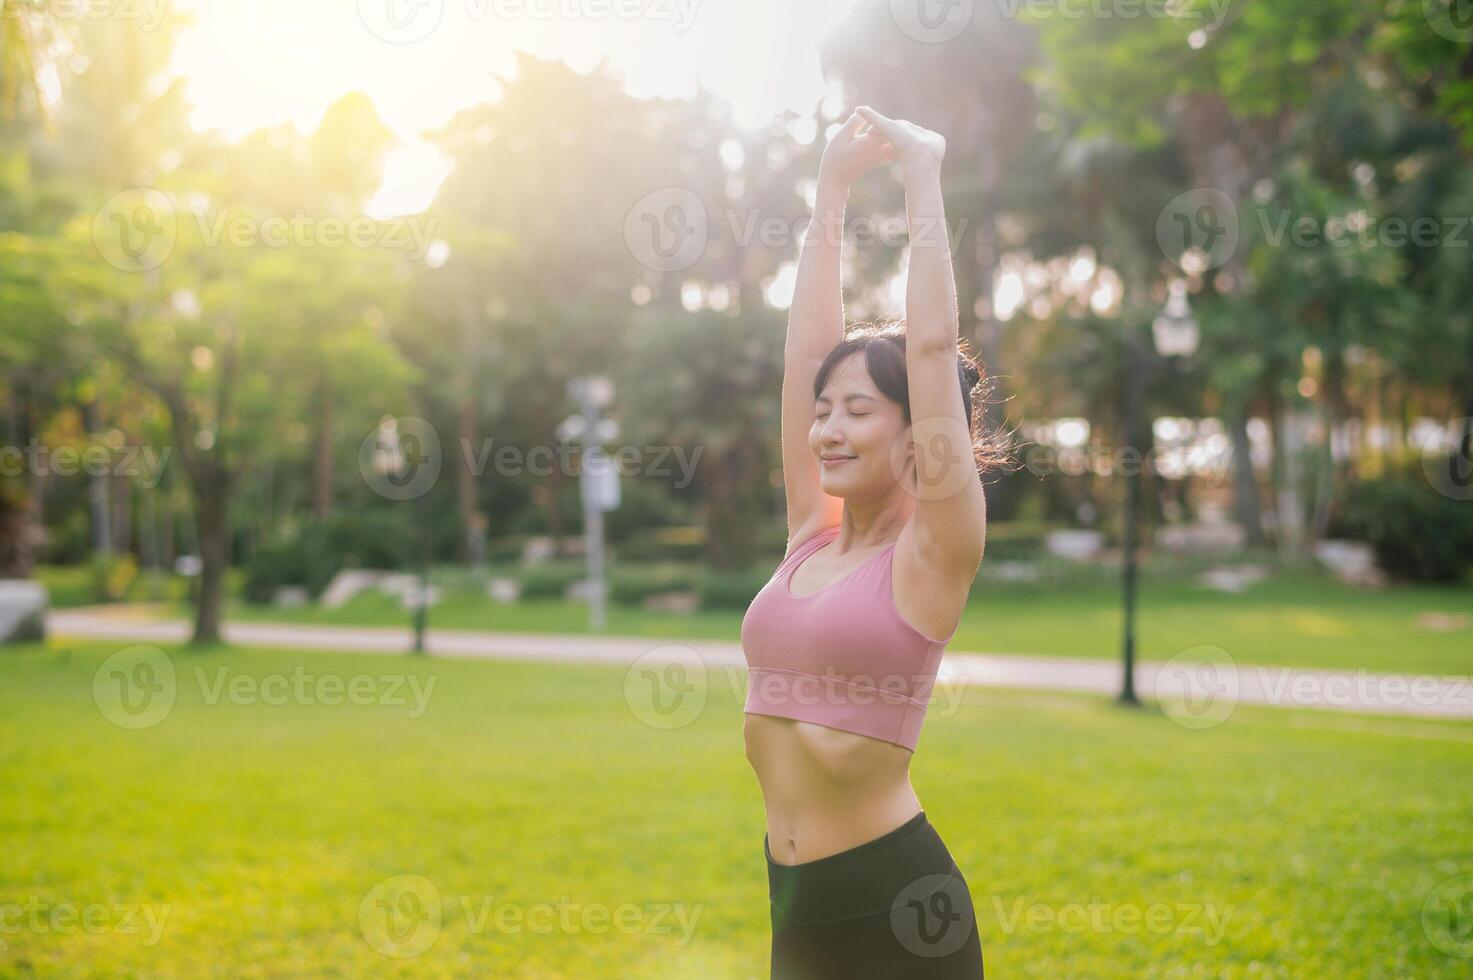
(249, 838)
(1296, 619)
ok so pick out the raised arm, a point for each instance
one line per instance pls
(816, 319)
(950, 518)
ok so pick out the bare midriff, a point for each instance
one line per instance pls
(826, 790)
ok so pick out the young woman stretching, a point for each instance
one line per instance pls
(886, 520)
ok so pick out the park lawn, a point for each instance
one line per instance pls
(1098, 841)
(1296, 619)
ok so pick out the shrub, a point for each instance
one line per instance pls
(1417, 533)
(632, 586)
(730, 589)
(315, 553)
(112, 576)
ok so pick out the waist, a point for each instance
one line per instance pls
(823, 789)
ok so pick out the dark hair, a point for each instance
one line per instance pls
(883, 346)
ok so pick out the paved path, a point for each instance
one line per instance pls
(1200, 695)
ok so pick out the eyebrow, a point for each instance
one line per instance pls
(847, 398)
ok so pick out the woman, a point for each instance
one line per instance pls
(886, 520)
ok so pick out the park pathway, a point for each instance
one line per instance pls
(1200, 694)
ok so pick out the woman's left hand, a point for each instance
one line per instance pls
(913, 144)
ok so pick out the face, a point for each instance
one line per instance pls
(859, 436)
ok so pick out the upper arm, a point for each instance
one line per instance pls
(950, 521)
(809, 508)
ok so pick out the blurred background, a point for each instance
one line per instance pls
(455, 326)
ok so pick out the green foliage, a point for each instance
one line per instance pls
(549, 580)
(730, 589)
(112, 576)
(1418, 533)
(315, 553)
(632, 586)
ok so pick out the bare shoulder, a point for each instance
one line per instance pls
(930, 592)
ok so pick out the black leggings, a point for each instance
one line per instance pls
(895, 907)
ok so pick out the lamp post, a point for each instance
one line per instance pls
(391, 462)
(1175, 335)
(598, 483)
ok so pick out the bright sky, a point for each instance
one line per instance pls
(254, 63)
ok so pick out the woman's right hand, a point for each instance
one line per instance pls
(854, 150)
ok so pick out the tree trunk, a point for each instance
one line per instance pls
(97, 486)
(322, 453)
(212, 505)
(1245, 483)
(465, 480)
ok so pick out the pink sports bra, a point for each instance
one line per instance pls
(842, 657)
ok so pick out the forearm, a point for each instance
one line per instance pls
(816, 316)
(931, 319)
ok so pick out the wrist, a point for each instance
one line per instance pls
(920, 167)
(831, 184)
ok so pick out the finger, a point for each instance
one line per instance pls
(851, 126)
(883, 123)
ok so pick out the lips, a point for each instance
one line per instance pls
(836, 460)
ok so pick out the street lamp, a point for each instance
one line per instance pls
(391, 462)
(1175, 335)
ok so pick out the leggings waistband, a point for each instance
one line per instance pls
(862, 880)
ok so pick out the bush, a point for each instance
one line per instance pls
(112, 576)
(730, 590)
(1417, 533)
(632, 586)
(550, 580)
(315, 554)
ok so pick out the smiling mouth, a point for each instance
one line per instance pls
(836, 460)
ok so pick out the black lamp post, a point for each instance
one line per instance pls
(1175, 334)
